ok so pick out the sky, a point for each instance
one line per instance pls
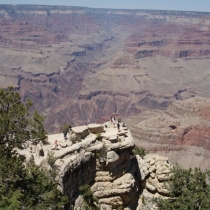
(184, 5)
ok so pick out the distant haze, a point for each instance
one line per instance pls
(186, 5)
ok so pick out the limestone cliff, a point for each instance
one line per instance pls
(101, 156)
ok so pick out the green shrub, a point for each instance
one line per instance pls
(120, 208)
(51, 159)
(65, 128)
(189, 189)
(98, 136)
(90, 202)
(74, 139)
(102, 153)
(41, 152)
(139, 151)
(143, 200)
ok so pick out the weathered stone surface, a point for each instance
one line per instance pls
(155, 171)
(163, 177)
(122, 185)
(107, 165)
(95, 128)
(81, 131)
(114, 201)
(143, 167)
(112, 157)
(63, 145)
(162, 189)
(150, 187)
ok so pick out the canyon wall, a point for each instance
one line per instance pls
(181, 133)
(81, 65)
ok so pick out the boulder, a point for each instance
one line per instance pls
(113, 139)
(81, 131)
(112, 157)
(163, 177)
(95, 128)
(122, 133)
(63, 145)
(162, 189)
(150, 187)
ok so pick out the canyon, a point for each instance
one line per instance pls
(83, 65)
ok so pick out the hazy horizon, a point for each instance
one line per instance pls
(178, 5)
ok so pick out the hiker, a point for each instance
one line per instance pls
(119, 120)
(56, 145)
(118, 126)
(70, 128)
(113, 121)
(65, 134)
(65, 131)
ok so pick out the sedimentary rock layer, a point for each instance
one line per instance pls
(182, 133)
(80, 65)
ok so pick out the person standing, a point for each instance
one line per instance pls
(70, 128)
(56, 145)
(65, 131)
(118, 126)
(113, 121)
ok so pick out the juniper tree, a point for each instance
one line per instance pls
(23, 186)
(17, 123)
(90, 202)
(189, 190)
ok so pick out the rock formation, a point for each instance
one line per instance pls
(80, 65)
(181, 133)
(101, 156)
(155, 171)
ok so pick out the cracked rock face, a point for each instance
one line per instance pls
(155, 171)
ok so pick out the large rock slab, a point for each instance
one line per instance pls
(81, 131)
(95, 128)
(112, 157)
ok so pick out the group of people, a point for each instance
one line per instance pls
(116, 122)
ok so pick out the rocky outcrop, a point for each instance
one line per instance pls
(101, 156)
(155, 172)
(91, 157)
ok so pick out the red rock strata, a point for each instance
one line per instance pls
(185, 123)
(81, 64)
